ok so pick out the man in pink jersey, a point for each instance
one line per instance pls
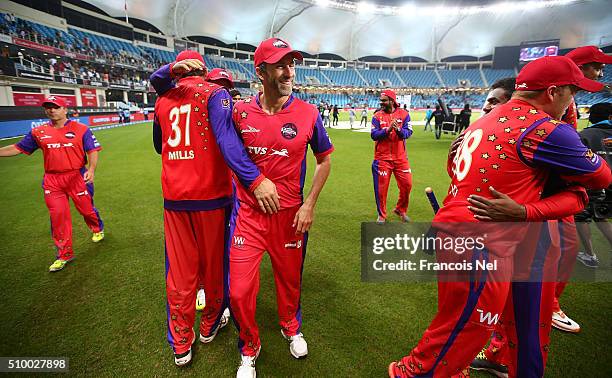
(194, 133)
(390, 129)
(276, 129)
(513, 149)
(67, 147)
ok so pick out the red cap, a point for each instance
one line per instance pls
(58, 101)
(189, 54)
(588, 54)
(553, 70)
(274, 49)
(220, 74)
(389, 93)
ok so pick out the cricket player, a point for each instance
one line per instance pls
(194, 133)
(276, 129)
(591, 61)
(390, 129)
(70, 153)
(513, 149)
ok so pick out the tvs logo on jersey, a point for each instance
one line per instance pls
(280, 44)
(70, 135)
(282, 152)
(289, 131)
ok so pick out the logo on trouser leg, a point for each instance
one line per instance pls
(294, 245)
(239, 241)
(488, 317)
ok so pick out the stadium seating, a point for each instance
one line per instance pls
(494, 75)
(452, 78)
(342, 76)
(381, 78)
(306, 76)
(420, 79)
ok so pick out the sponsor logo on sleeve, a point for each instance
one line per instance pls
(225, 103)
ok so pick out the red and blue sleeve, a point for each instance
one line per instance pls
(319, 142)
(406, 131)
(230, 145)
(27, 145)
(161, 80)
(570, 201)
(557, 146)
(377, 132)
(90, 143)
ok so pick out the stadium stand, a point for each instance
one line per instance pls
(345, 77)
(381, 78)
(470, 78)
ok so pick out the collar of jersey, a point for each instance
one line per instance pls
(285, 105)
(65, 124)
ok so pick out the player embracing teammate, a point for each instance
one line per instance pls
(513, 150)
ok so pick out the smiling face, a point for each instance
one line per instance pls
(54, 112)
(386, 103)
(593, 71)
(278, 77)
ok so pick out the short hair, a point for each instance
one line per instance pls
(235, 92)
(507, 84)
(600, 112)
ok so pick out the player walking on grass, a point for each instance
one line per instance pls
(390, 129)
(513, 149)
(276, 129)
(194, 133)
(67, 146)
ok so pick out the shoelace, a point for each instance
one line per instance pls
(247, 361)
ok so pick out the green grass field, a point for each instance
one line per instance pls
(106, 311)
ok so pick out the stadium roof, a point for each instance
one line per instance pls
(389, 28)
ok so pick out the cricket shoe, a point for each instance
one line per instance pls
(97, 237)
(481, 362)
(562, 322)
(200, 300)
(222, 323)
(183, 359)
(247, 366)
(380, 220)
(588, 260)
(58, 265)
(297, 346)
(405, 218)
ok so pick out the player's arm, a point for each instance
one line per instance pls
(157, 135)
(7, 151)
(502, 208)
(378, 132)
(162, 80)
(91, 147)
(322, 148)
(559, 148)
(25, 146)
(235, 155)
(405, 131)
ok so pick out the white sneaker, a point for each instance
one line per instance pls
(297, 346)
(588, 260)
(184, 358)
(200, 300)
(562, 322)
(247, 366)
(222, 323)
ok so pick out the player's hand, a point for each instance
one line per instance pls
(455, 146)
(186, 65)
(500, 208)
(267, 197)
(303, 219)
(89, 176)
